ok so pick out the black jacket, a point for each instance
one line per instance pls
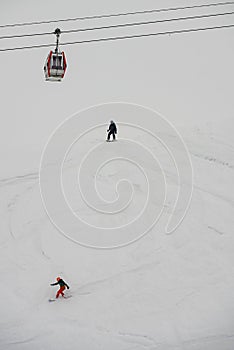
(61, 283)
(112, 128)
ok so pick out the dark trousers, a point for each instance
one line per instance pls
(109, 135)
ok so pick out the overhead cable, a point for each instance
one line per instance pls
(118, 14)
(120, 37)
(120, 25)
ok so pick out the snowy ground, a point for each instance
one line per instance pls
(163, 292)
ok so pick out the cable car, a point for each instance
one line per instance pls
(55, 65)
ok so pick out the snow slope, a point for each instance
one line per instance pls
(163, 292)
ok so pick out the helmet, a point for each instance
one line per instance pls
(111, 121)
(58, 278)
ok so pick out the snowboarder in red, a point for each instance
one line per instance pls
(62, 285)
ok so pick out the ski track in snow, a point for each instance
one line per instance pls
(19, 179)
(139, 339)
(216, 230)
(202, 341)
(14, 202)
(26, 341)
(215, 195)
(100, 282)
(213, 160)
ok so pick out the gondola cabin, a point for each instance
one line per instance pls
(55, 66)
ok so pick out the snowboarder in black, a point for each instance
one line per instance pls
(112, 130)
(62, 285)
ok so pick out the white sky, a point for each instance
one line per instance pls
(188, 78)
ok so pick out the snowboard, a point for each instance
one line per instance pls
(54, 299)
